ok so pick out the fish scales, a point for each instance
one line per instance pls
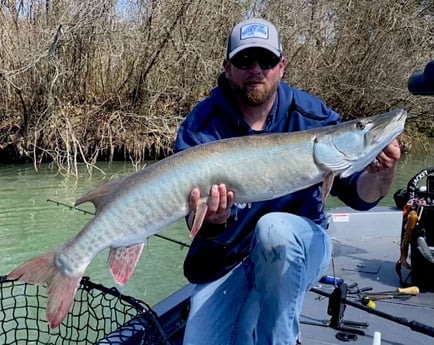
(253, 176)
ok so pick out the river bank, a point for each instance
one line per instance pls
(82, 82)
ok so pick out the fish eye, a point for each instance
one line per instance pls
(360, 125)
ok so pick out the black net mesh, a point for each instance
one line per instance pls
(99, 316)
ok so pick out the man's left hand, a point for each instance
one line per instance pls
(387, 159)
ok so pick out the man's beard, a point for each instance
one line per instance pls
(254, 96)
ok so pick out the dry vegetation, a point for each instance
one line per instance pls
(82, 81)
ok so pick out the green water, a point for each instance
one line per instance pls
(30, 225)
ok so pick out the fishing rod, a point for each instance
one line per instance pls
(59, 203)
(413, 325)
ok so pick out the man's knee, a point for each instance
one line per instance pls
(276, 229)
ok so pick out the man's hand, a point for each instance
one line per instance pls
(376, 181)
(219, 204)
(387, 159)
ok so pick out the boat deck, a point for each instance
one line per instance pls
(365, 250)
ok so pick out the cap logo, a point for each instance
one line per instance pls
(254, 31)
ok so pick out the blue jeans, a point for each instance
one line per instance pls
(260, 301)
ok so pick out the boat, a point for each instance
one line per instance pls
(366, 249)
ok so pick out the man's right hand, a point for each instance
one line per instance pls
(219, 204)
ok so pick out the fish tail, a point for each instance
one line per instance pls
(61, 288)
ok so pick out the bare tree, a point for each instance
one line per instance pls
(88, 80)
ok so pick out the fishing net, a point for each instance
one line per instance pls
(99, 316)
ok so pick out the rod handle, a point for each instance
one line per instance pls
(411, 290)
(420, 327)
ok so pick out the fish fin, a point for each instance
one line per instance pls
(327, 186)
(97, 195)
(201, 210)
(61, 288)
(123, 260)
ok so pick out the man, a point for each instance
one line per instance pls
(254, 263)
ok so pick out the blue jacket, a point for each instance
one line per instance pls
(218, 248)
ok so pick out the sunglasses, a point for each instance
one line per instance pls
(265, 60)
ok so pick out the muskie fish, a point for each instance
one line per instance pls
(256, 168)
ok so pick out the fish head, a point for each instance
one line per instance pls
(351, 146)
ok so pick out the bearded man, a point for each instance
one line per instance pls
(254, 263)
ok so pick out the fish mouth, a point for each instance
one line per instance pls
(386, 128)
